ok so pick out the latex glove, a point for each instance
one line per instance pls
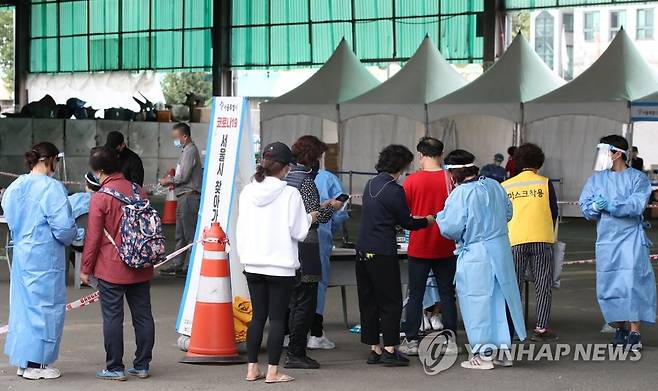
(80, 236)
(610, 208)
(599, 204)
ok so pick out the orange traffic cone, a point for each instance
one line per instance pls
(213, 336)
(169, 214)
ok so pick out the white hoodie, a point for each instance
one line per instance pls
(271, 220)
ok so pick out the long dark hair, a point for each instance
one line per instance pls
(44, 151)
(267, 167)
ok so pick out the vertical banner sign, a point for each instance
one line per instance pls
(229, 165)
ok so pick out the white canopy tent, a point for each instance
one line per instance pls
(304, 109)
(488, 110)
(568, 122)
(395, 111)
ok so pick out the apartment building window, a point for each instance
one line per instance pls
(645, 23)
(544, 37)
(617, 21)
(567, 23)
(591, 25)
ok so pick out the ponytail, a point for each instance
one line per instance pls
(43, 151)
(267, 168)
(259, 176)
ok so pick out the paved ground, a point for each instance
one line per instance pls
(575, 316)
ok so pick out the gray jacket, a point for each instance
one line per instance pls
(188, 176)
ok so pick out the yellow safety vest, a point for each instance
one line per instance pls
(532, 221)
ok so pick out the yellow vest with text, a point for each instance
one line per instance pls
(532, 221)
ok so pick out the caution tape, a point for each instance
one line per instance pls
(593, 261)
(576, 203)
(154, 188)
(94, 297)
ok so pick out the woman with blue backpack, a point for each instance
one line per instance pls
(121, 258)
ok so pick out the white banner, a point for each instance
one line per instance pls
(229, 165)
(644, 111)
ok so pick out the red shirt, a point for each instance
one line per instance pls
(510, 167)
(426, 193)
(99, 257)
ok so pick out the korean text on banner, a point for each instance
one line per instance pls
(229, 164)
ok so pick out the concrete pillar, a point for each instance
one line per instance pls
(493, 24)
(21, 51)
(222, 78)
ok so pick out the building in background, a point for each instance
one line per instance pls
(569, 40)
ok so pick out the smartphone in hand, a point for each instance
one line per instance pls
(343, 197)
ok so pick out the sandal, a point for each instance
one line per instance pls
(260, 376)
(281, 378)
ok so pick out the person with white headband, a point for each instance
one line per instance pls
(616, 196)
(475, 216)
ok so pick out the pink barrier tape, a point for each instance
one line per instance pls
(96, 296)
(576, 203)
(593, 261)
(148, 187)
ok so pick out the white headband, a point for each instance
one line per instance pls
(450, 166)
(610, 147)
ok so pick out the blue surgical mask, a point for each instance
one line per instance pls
(177, 143)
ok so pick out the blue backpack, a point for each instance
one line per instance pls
(142, 241)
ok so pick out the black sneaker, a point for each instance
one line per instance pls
(395, 359)
(305, 362)
(543, 335)
(620, 337)
(374, 358)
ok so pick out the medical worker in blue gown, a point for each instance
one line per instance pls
(616, 196)
(40, 219)
(329, 187)
(475, 216)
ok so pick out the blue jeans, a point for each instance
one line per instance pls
(444, 272)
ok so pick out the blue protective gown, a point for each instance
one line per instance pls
(40, 219)
(80, 206)
(475, 216)
(80, 203)
(625, 283)
(329, 187)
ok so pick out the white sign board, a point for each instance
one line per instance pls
(644, 111)
(229, 165)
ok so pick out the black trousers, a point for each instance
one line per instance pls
(380, 298)
(270, 296)
(444, 273)
(302, 313)
(139, 302)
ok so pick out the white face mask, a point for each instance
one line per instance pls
(604, 159)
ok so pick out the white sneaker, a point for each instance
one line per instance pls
(322, 343)
(427, 324)
(435, 321)
(410, 348)
(41, 373)
(20, 371)
(477, 363)
(286, 341)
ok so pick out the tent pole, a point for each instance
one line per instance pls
(629, 136)
(427, 122)
(339, 130)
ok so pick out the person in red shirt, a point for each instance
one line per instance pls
(510, 167)
(426, 191)
(100, 259)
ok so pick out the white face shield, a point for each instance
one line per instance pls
(604, 156)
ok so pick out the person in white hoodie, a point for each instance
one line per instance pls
(271, 221)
